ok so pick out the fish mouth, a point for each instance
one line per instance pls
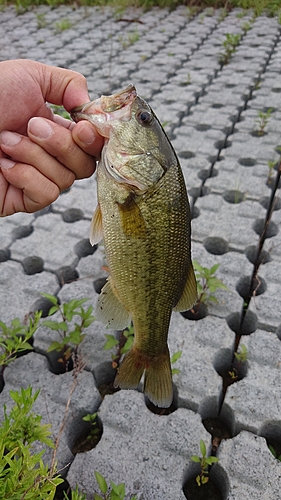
(106, 107)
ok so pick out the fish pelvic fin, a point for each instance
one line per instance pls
(110, 310)
(189, 295)
(96, 232)
(158, 386)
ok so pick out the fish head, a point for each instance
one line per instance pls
(136, 151)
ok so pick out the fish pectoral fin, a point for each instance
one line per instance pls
(189, 295)
(133, 223)
(110, 310)
(158, 386)
(96, 232)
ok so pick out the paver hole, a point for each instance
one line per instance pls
(251, 253)
(195, 212)
(266, 200)
(220, 424)
(216, 245)
(22, 232)
(278, 331)
(66, 274)
(104, 375)
(247, 289)
(198, 192)
(247, 162)
(186, 154)
(72, 215)
(205, 174)
(83, 248)
(202, 127)
(271, 431)
(43, 304)
(99, 284)
(229, 368)
(234, 196)
(60, 362)
(248, 326)
(217, 487)
(83, 436)
(5, 254)
(33, 265)
(222, 144)
(271, 229)
(197, 312)
(217, 105)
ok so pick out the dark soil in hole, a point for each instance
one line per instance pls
(208, 491)
(89, 437)
(276, 445)
(62, 489)
(58, 364)
(217, 429)
(196, 313)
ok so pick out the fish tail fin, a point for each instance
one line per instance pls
(158, 385)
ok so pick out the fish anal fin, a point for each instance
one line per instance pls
(158, 386)
(189, 295)
(131, 370)
(96, 232)
(133, 223)
(110, 310)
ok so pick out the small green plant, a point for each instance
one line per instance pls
(129, 39)
(271, 164)
(117, 491)
(262, 120)
(222, 15)
(246, 27)
(71, 335)
(93, 420)
(242, 354)
(41, 21)
(207, 284)
(23, 475)
(174, 359)
(125, 343)
(229, 47)
(187, 80)
(205, 462)
(14, 339)
(62, 25)
(273, 451)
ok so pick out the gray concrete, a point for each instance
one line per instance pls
(211, 114)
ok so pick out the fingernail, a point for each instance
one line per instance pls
(9, 138)
(86, 134)
(39, 128)
(5, 163)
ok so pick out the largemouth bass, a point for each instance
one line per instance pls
(143, 217)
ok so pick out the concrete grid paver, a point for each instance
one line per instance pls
(210, 112)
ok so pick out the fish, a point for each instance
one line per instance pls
(143, 217)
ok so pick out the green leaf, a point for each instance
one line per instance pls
(97, 497)
(211, 460)
(176, 356)
(195, 458)
(101, 482)
(128, 344)
(119, 489)
(203, 448)
(175, 371)
(51, 298)
(111, 342)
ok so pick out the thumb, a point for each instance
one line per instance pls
(63, 87)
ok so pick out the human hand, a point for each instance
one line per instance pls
(41, 154)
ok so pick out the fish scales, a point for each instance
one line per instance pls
(144, 219)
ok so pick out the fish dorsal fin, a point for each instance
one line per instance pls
(189, 295)
(133, 223)
(110, 310)
(96, 232)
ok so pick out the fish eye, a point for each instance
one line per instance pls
(144, 117)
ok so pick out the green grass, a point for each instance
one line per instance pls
(270, 6)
